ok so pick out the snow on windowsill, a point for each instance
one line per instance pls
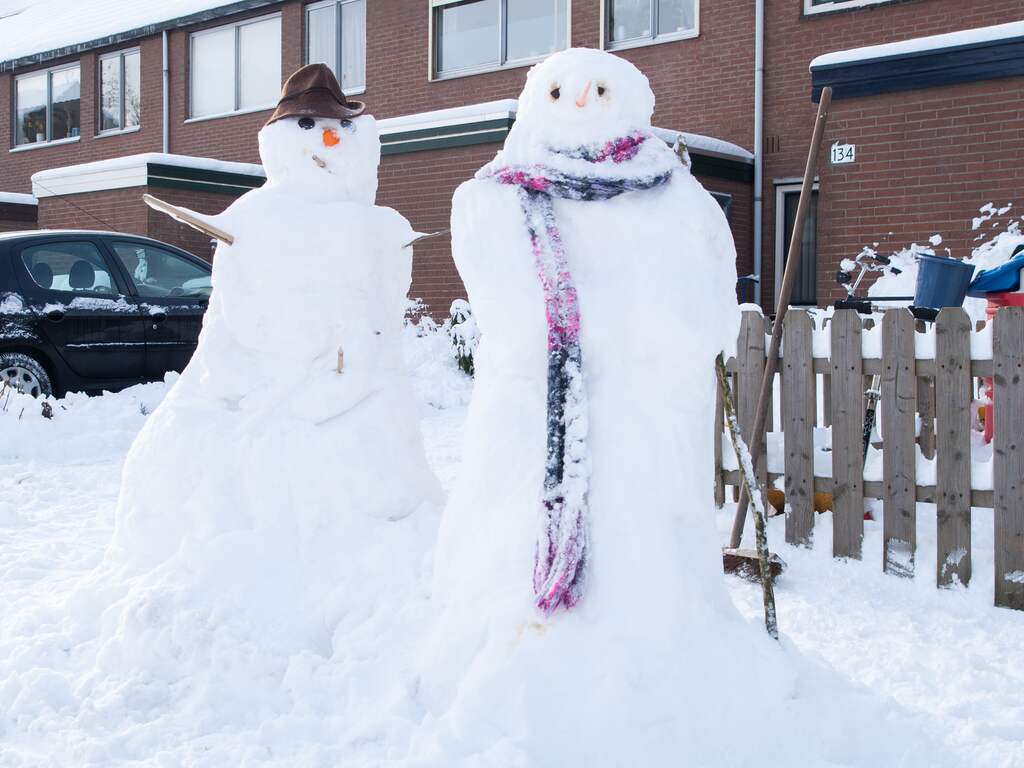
(43, 144)
(17, 198)
(234, 113)
(920, 45)
(118, 132)
(643, 42)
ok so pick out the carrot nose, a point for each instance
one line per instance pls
(581, 100)
(330, 137)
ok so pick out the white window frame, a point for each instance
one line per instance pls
(48, 142)
(839, 5)
(337, 39)
(236, 26)
(654, 38)
(99, 92)
(503, 61)
(782, 188)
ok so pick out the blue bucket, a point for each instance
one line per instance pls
(941, 281)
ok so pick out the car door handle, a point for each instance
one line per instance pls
(157, 318)
(56, 315)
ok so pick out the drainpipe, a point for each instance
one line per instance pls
(758, 142)
(167, 99)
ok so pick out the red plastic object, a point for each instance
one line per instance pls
(997, 301)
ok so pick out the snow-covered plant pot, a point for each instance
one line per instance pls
(464, 334)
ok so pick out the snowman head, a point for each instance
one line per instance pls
(322, 158)
(582, 96)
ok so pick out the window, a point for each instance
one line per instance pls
(119, 89)
(639, 22)
(787, 197)
(236, 68)
(68, 268)
(476, 35)
(823, 6)
(157, 273)
(47, 105)
(336, 36)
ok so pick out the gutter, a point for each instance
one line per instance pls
(148, 30)
(758, 144)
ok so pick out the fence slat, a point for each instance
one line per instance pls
(1008, 456)
(799, 416)
(719, 429)
(750, 354)
(953, 446)
(899, 458)
(847, 435)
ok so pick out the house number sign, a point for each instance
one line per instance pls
(843, 153)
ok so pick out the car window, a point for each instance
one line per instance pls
(71, 267)
(158, 273)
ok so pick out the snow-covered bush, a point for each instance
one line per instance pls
(464, 334)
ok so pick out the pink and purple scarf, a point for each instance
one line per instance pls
(562, 546)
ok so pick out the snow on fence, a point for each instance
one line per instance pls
(929, 375)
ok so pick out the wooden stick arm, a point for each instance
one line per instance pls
(186, 217)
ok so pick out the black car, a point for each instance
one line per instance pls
(91, 311)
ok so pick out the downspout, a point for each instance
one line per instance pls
(166, 99)
(758, 143)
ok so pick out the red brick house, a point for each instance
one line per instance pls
(937, 122)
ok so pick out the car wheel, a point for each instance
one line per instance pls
(24, 374)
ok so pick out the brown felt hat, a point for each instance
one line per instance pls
(313, 91)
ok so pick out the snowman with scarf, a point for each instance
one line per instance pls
(582, 614)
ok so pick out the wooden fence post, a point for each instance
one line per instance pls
(749, 372)
(953, 445)
(899, 457)
(847, 435)
(719, 428)
(1008, 456)
(799, 416)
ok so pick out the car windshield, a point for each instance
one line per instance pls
(158, 273)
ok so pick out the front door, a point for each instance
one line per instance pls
(87, 316)
(173, 291)
(805, 290)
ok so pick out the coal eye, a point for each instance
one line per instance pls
(348, 126)
(601, 90)
(556, 92)
(306, 123)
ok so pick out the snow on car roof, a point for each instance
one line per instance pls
(33, 27)
(966, 37)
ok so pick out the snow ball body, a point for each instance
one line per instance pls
(652, 662)
(266, 478)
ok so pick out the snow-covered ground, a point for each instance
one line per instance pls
(948, 657)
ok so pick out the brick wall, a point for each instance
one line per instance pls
(17, 217)
(923, 164)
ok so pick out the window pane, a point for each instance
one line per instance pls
(676, 16)
(31, 107)
(467, 35)
(68, 267)
(110, 93)
(132, 89)
(64, 112)
(353, 45)
(805, 291)
(213, 72)
(157, 273)
(260, 63)
(629, 19)
(535, 28)
(322, 40)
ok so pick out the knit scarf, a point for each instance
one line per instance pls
(584, 173)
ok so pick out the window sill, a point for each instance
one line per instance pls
(840, 5)
(643, 42)
(119, 132)
(236, 113)
(42, 144)
(484, 69)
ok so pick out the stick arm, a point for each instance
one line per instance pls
(190, 218)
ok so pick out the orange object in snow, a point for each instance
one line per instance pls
(330, 137)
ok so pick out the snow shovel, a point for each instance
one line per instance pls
(731, 553)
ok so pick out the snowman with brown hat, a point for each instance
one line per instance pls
(273, 481)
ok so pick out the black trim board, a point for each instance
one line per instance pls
(968, 63)
(201, 179)
(725, 168)
(228, 9)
